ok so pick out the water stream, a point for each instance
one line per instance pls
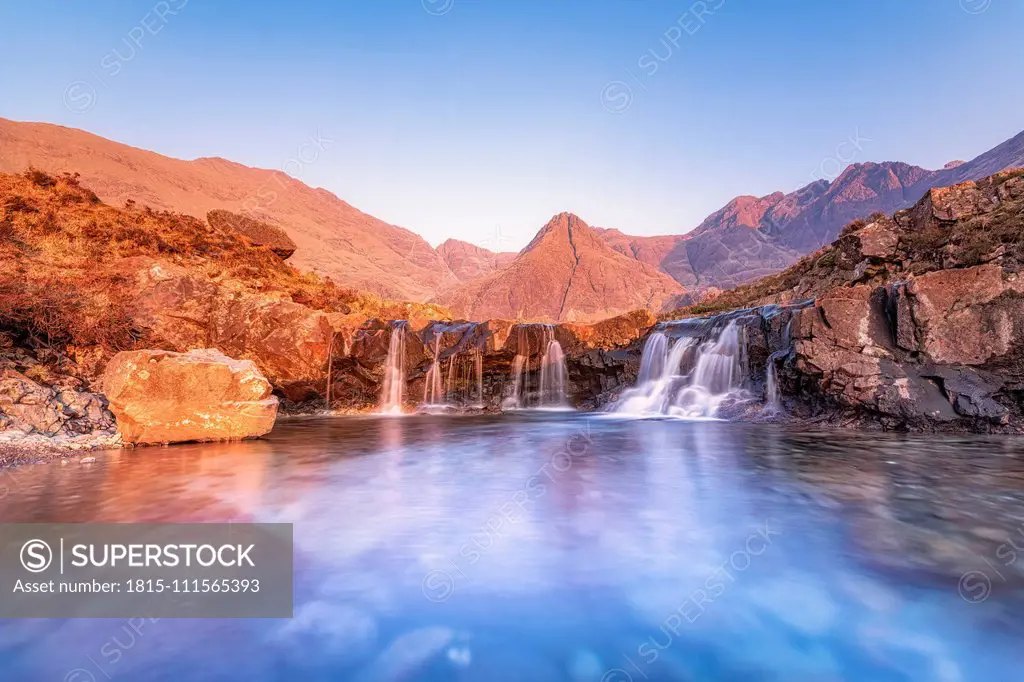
(392, 396)
(564, 547)
(689, 369)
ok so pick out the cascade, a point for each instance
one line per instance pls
(461, 385)
(432, 392)
(689, 369)
(772, 397)
(550, 392)
(392, 394)
(479, 379)
(553, 372)
(520, 367)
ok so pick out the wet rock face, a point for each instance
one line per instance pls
(202, 395)
(600, 359)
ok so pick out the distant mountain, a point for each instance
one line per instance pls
(467, 261)
(754, 236)
(333, 238)
(568, 273)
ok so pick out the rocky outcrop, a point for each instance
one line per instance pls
(924, 325)
(31, 408)
(257, 232)
(287, 341)
(202, 395)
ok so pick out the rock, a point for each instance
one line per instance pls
(607, 334)
(288, 341)
(36, 409)
(878, 239)
(165, 397)
(258, 233)
(966, 316)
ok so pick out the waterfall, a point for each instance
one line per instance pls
(392, 395)
(550, 392)
(518, 382)
(553, 373)
(691, 377)
(479, 379)
(432, 392)
(772, 399)
(772, 396)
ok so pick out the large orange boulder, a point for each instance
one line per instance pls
(203, 395)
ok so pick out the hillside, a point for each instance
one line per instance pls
(80, 280)
(332, 238)
(567, 273)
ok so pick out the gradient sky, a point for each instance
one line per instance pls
(480, 119)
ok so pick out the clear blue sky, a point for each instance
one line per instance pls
(452, 117)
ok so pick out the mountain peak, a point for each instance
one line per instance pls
(568, 273)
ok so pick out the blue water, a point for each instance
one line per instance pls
(576, 548)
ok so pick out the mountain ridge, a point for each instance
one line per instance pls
(566, 273)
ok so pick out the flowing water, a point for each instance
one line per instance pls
(433, 395)
(392, 395)
(689, 369)
(551, 386)
(549, 547)
(553, 373)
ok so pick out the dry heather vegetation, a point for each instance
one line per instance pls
(63, 282)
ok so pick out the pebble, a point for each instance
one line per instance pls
(87, 460)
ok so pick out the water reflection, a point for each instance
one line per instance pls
(557, 547)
